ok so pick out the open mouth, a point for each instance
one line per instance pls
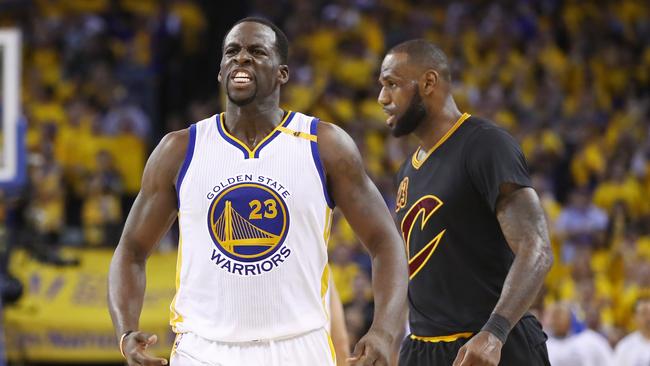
(241, 78)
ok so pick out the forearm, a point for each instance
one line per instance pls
(339, 330)
(522, 284)
(126, 287)
(389, 285)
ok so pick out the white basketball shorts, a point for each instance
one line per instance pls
(313, 348)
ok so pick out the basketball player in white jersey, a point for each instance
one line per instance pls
(253, 189)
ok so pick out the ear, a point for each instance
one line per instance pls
(283, 74)
(219, 76)
(429, 81)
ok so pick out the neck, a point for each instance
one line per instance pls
(252, 122)
(437, 123)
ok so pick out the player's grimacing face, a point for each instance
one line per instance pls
(249, 63)
(399, 96)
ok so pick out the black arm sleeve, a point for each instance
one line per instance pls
(493, 157)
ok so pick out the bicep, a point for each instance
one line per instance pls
(155, 207)
(521, 217)
(354, 193)
(150, 217)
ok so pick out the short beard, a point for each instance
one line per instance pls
(412, 118)
(240, 103)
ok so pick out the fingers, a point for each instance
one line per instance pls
(460, 357)
(357, 354)
(143, 359)
(137, 355)
(358, 351)
(145, 338)
(368, 357)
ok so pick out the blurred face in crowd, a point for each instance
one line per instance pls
(399, 95)
(250, 64)
(643, 317)
(557, 319)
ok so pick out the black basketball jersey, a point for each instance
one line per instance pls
(458, 256)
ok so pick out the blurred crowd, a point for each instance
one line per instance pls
(103, 80)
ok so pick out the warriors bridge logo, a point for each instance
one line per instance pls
(248, 224)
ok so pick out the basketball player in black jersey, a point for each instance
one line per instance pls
(475, 232)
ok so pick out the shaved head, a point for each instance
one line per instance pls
(425, 54)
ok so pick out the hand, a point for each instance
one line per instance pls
(372, 349)
(135, 346)
(484, 349)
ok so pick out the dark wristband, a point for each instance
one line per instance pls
(499, 326)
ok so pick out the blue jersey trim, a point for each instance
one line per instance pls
(313, 129)
(186, 163)
(230, 140)
(273, 135)
(248, 153)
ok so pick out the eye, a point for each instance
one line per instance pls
(230, 51)
(259, 52)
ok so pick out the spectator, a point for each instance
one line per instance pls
(580, 225)
(592, 347)
(634, 349)
(561, 348)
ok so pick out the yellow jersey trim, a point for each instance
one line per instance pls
(328, 226)
(303, 135)
(418, 163)
(251, 153)
(325, 277)
(175, 316)
(332, 350)
(324, 287)
(447, 338)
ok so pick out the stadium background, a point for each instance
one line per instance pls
(104, 80)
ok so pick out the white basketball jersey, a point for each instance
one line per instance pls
(254, 225)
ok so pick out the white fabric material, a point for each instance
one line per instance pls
(561, 352)
(587, 348)
(633, 350)
(594, 349)
(229, 200)
(308, 349)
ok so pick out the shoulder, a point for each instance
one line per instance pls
(166, 159)
(592, 337)
(333, 141)
(174, 143)
(486, 141)
(628, 342)
(338, 151)
(331, 133)
(483, 132)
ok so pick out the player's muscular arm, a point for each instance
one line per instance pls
(365, 210)
(152, 214)
(523, 223)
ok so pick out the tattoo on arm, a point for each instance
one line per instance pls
(523, 223)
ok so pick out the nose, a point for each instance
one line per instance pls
(383, 98)
(242, 57)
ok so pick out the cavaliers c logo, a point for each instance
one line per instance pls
(420, 213)
(248, 222)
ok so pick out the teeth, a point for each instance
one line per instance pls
(241, 74)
